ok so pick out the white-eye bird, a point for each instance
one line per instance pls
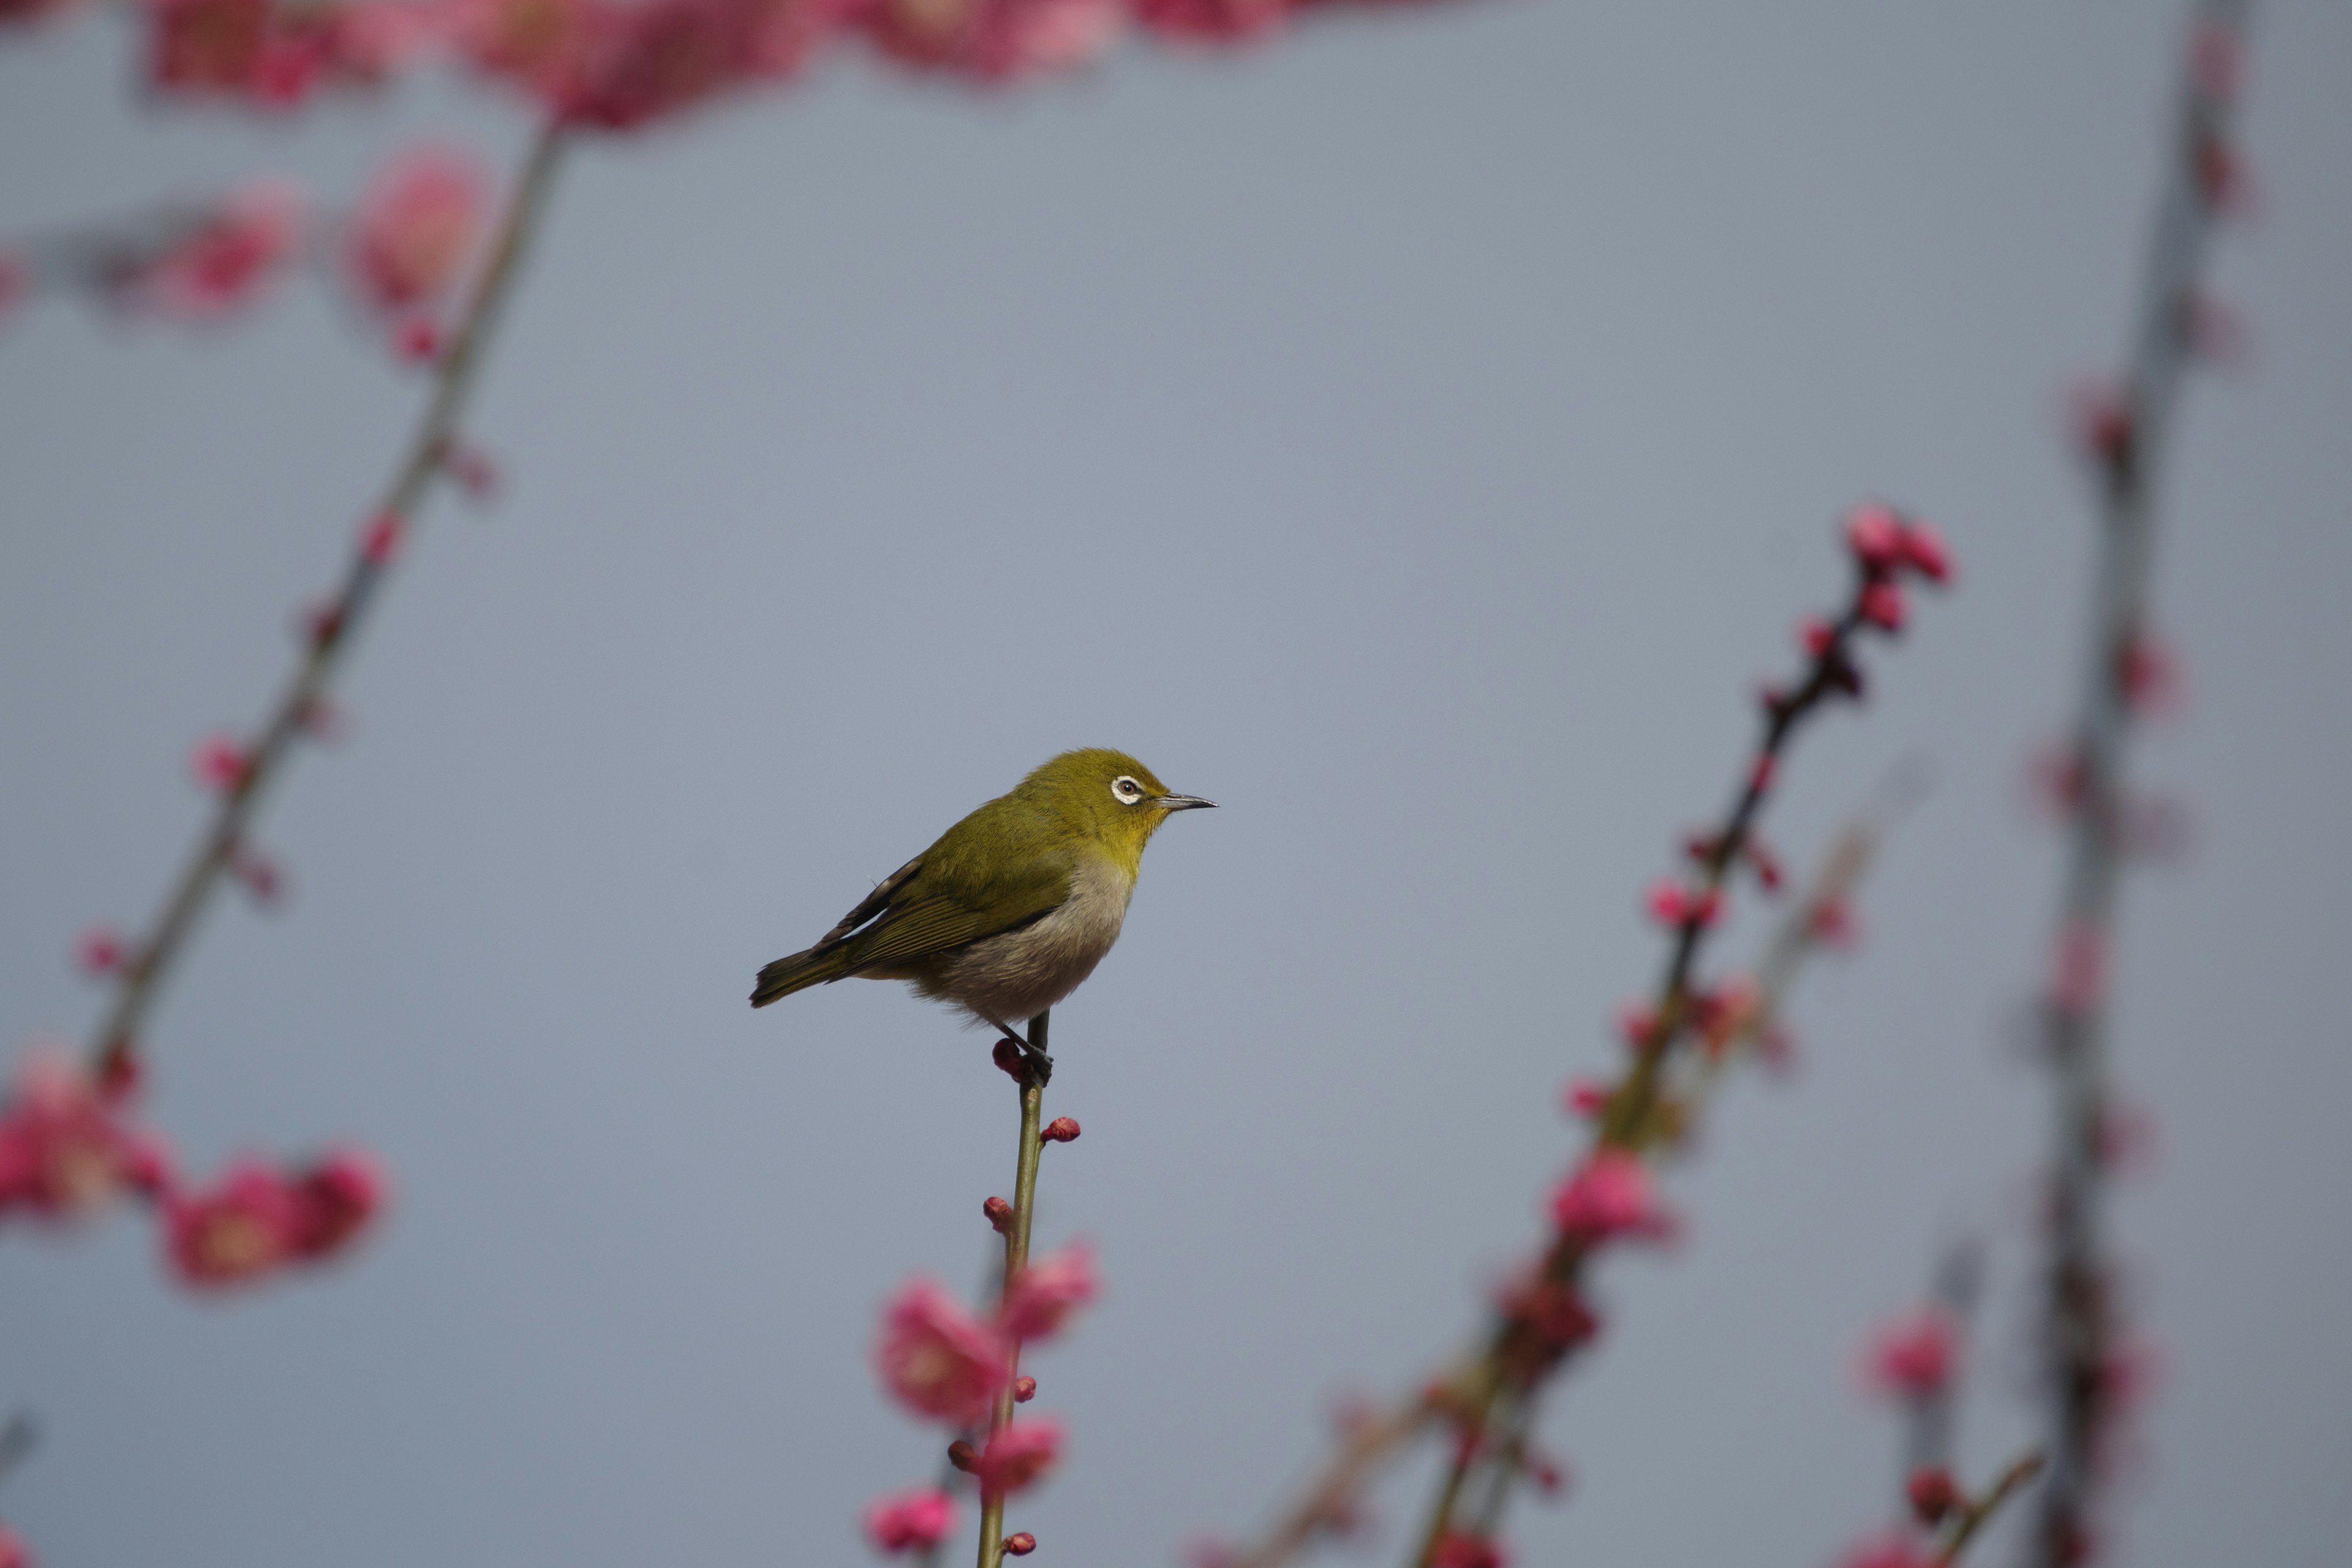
(1015, 905)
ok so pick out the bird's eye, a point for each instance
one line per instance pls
(1127, 789)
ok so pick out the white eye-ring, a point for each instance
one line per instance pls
(1127, 791)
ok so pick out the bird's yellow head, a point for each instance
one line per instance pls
(1106, 796)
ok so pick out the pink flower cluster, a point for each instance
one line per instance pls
(944, 1364)
(69, 1146)
(621, 64)
(401, 249)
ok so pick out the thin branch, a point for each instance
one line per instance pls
(1016, 1257)
(1463, 1391)
(140, 980)
(2079, 1331)
(1974, 1517)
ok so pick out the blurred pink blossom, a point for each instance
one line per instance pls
(413, 228)
(1893, 1550)
(994, 40)
(1610, 1195)
(911, 1520)
(66, 1149)
(1912, 1356)
(1047, 1291)
(224, 263)
(1016, 1456)
(240, 1229)
(938, 1359)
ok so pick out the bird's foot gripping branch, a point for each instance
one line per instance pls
(964, 1371)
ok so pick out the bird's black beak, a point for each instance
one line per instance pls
(1181, 802)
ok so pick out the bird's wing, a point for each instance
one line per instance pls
(997, 869)
(874, 903)
(936, 913)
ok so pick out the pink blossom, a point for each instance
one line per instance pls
(14, 1553)
(1046, 1292)
(1609, 1196)
(219, 762)
(1211, 21)
(101, 951)
(1586, 1096)
(1913, 1356)
(223, 264)
(1926, 552)
(336, 1200)
(1016, 1456)
(65, 1148)
(1673, 904)
(995, 40)
(938, 1359)
(911, 1520)
(620, 67)
(242, 1228)
(1881, 606)
(1932, 1493)
(415, 228)
(1874, 532)
(1894, 1549)
(1461, 1551)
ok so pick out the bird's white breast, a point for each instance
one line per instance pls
(1019, 974)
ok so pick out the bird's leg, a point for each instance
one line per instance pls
(1039, 1062)
(1034, 1063)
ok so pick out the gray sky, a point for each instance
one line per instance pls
(1416, 437)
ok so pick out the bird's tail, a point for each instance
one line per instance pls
(827, 961)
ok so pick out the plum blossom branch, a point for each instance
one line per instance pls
(2125, 432)
(964, 1372)
(1490, 1395)
(243, 771)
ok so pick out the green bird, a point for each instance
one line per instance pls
(1013, 906)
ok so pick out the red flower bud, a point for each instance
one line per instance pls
(1024, 1389)
(472, 470)
(381, 542)
(417, 340)
(1874, 533)
(1061, 1130)
(964, 1456)
(1933, 1494)
(220, 763)
(999, 1213)
(1924, 552)
(1020, 1544)
(101, 951)
(1008, 1060)
(1881, 606)
(1586, 1096)
(1814, 635)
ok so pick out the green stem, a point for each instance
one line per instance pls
(1016, 1257)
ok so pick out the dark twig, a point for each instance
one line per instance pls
(2079, 1334)
(139, 979)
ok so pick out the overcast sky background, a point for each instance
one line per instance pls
(1417, 435)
